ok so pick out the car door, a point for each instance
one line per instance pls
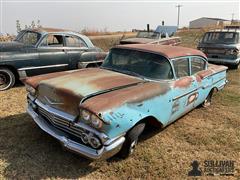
(75, 46)
(52, 54)
(198, 67)
(184, 88)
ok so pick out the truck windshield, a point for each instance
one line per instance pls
(221, 37)
(150, 35)
(28, 37)
(138, 63)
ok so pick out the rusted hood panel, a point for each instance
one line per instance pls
(137, 94)
(65, 92)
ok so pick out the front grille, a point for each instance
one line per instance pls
(216, 51)
(53, 118)
(60, 122)
(65, 125)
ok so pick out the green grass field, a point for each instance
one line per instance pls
(213, 133)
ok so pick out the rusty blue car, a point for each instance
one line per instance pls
(100, 112)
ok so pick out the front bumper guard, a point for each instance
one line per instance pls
(90, 153)
(224, 61)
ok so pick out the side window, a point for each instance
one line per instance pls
(197, 64)
(181, 67)
(72, 41)
(52, 41)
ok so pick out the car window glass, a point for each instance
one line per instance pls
(148, 65)
(72, 41)
(29, 38)
(52, 41)
(197, 64)
(181, 67)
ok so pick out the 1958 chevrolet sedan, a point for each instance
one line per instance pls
(101, 112)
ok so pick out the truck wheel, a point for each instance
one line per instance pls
(236, 66)
(7, 79)
(131, 140)
(208, 100)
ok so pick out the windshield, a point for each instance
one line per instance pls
(28, 37)
(220, 37)
(150, 35)
(137, 63)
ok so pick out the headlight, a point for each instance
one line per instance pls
(85, 115)
(31, 90)
(202, 49)
(95, 121)
(232, 52)
(91, 119)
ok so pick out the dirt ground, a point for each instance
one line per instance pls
(211, 133)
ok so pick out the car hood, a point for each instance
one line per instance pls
(11, 46)
(137, 41)
(65, 90)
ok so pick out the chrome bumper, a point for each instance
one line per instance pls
(105, 152)
(224, 61)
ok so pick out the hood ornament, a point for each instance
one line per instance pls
(52, 102)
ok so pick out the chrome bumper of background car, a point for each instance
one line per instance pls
(224, 61)
(103, 153)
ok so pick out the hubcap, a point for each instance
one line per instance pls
(132, 146)
(5, 80)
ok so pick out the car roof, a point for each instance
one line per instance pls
(168, 51)
(44, 31)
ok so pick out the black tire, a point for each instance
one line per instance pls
(207, 102)
(7, 79)
(236, 66)
(131, 140)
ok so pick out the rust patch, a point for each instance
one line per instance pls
(134, 94)
(35, 80)
(203, 74)
(168, 51)
(183, 82)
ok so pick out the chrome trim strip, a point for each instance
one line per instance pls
(42, 67)
(178, 97)
(89, 62)
(103, 153)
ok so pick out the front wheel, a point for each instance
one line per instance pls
(207, 102)
(131, 140)
(7, 79)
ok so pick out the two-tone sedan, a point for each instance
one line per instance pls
(99, 112)
(45, 50)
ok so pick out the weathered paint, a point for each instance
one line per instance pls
(123, 100)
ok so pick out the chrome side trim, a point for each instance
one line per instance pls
(42, 67)
(103, 153)
(185, 94)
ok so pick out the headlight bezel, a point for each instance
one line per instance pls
(93, 120)
(32, 91)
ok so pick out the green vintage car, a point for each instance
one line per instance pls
(45, 50)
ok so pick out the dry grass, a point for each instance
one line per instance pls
(213, 133)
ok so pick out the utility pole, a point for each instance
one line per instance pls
(233, 16)
(178, 6)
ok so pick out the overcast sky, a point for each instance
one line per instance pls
(115, 16)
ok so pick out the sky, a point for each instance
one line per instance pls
(113, 15)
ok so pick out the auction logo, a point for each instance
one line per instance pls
(211, 168)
